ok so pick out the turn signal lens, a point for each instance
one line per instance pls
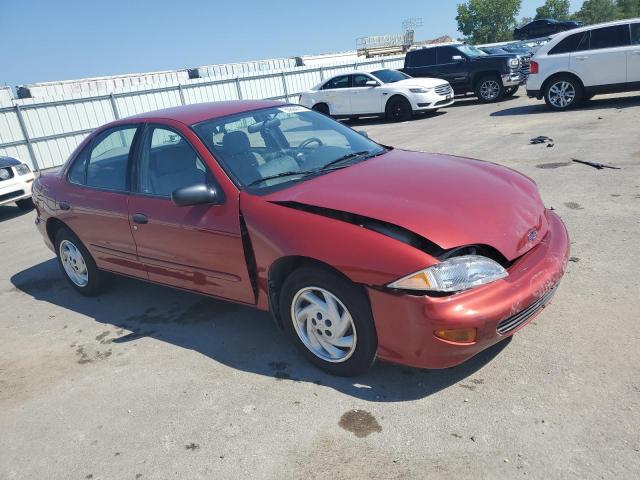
(459, 335)
(534, 68)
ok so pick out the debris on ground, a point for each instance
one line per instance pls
(597, 165)
(541, 139)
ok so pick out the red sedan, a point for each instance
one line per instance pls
(359, 250)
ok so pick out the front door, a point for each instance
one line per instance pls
(454, 71)
(94, 202)
(365, 98)
(197, 247)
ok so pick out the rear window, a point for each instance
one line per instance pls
(635, 33)
(610, 37)
(422, 58)
(569, 44)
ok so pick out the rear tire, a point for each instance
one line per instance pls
(398, 109)
(77, 264)
(330, 321)
(563, 93)
(25, 204)
(489, 89)
(322, 108)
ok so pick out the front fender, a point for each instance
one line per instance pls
(362, 255)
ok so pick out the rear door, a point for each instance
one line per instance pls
(633, 55)
(94, 201)
(604, 62)
(338, 95)
(197, 247)
(421, 63)
(365, 98)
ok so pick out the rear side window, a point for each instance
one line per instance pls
(610, 37)
(338, 82)
(104, 163)
(570, 44)
(635, 33)
(422, 58)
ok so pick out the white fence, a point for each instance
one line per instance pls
(43, 134)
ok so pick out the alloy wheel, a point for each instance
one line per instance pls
(489, 90)
(324, 324)
(73, 263)
(562, 94)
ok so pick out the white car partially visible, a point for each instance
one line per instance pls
(16, 179)
(389, 93)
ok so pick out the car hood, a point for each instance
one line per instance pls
(417, 82)
(448, 200)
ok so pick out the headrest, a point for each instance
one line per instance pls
(236, 142)
(173, 159)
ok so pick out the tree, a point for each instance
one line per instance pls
(629, 8)
(558, 9)
(597, 11)
(488, 21)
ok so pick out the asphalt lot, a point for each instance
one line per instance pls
(147, 382)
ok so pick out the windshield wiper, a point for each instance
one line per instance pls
(279, 175)
(337, 161)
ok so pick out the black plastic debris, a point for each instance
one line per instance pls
(597, 165)
(541, 139)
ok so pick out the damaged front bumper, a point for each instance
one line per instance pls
(406, 324)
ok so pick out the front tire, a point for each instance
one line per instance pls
(322, 108)
(330, 321)
(489, 89)
(25, 204)
(398, 109)
(77, 264)
(562, 93)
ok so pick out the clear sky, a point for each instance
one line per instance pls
(45, 40)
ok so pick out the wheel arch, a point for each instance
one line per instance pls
(396, 95)
(480, 75)
(281, 268)
(53, 227)
(546, 83)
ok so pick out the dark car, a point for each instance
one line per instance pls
(468, 69)
(359, 251)
(543, 27)
(523, 54)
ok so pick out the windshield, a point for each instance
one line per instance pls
(470, 51)
(272, 146)
(389, 76)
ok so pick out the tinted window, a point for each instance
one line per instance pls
(104, 163)
(338, 82)
(389, 76)
(361, 80)
(635, 33)
(569, 44)
(609, 37)
(446, 54)
(423, 58)
(168, 162)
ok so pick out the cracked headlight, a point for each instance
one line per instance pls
(23, 169)
(419, 90)
(453, 275)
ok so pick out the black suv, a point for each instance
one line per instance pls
(543, 28)
(468, 69)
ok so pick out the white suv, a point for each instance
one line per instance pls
(580, 63)
(386, 92)
(16, 179)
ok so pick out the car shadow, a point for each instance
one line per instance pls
(617, 103)
(234, 335)
(468, 100)
(8, 212)
(365, 121)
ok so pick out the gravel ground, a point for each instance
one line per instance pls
(147, 382)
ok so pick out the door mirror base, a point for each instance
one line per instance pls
(198, 194)
(372, 83)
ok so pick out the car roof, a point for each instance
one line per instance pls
(199, 112)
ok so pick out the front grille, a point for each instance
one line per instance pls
(9, 171)
(9, 196)
(444, 89)
(525, 68)
(511, 323)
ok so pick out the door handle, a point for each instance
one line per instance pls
(636, 52)
(140, 218)
(64, 206)
(581, 58)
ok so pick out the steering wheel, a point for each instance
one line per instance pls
(308, 142)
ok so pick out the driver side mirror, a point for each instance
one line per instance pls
(457, 58)
(198, 194)
(372, 83)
